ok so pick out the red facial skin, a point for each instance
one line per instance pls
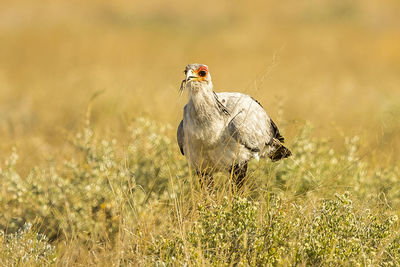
(202, 68)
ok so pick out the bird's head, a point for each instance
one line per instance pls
(197, 77)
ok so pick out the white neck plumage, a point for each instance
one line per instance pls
(203, 102)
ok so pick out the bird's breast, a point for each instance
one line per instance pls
(205, 134)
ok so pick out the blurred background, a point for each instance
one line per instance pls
(334, 63)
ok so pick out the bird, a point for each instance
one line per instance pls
(222, 132)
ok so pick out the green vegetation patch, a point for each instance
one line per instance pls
(138, 203)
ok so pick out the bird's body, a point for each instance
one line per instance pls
(223, 131)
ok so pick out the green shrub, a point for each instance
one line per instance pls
(338, 234)
(25, 247)
(136, 204)
(315, 164)
(237, 232)
(233, 232)
(89, 194)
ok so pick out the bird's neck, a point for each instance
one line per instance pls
(204, 104)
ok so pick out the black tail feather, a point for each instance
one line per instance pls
(280, 153)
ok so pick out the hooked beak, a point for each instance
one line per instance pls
(190, 75)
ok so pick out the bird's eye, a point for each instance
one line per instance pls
(202, 73)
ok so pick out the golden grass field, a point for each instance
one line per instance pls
(332, 64)
(335, 64)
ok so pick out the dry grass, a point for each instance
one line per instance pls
(334, 64)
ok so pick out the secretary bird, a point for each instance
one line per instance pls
(224, 131)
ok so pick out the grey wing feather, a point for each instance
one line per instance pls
(180, 135)
(235, 133)
(250, 124)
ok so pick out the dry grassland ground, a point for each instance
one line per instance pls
(91, 174)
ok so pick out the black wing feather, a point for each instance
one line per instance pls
(180, 135)
(276, 132)
(220, 105)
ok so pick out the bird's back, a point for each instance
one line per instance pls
(251, 126)
(249, 122)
